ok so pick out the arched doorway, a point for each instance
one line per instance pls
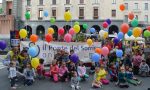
(113, 29)
(40, 31)
(66, 28)
(82, 29)
(55, 35)
(97, 28)
(29, 30)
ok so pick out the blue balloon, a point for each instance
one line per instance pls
(32, 51)
(92, 30)
(46, 13)
(96, 57)
(108, 21)
(119, 53)
(116, 40)
(120, 35)
(129, 33)
(3, 45)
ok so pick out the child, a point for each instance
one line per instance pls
(144, 69)
(113, 73)
(96, 83)
(71, 69)
(81, 69)
(29, 74)
(54, 70)
(40, 69)
(63, 72)
(75, 82)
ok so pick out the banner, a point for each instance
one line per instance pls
(48, 50)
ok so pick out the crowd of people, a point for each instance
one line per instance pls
(122, 71)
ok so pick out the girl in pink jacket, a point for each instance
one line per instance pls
(63, 72)
(54, 70)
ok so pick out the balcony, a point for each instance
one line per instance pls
(40, 18)
(137, 11)
(81, 17)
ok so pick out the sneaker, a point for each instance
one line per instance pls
(13, 88)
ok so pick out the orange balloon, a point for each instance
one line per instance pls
(122, 7)
(137, 31)
(124, 28)
(131, 15)
(98, 50)
(33, 38)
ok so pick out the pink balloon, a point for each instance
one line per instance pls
(105, 24)
(71, 31)
(61, 31)
(68, 37)
(105, 51)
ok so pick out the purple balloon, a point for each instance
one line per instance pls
(116, 40)
(74, 58)
(3, 45)
(108, 21)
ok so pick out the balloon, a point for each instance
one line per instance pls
(76, 23)
(32, 51)
(101, 33)
(46, 13)
(98, 50)
(134, 22)
(27, 15)
(148, 28)
(105, 35)
(131, 15)
(120, 35)
(23, 33)
(68, 38)
(105, 24)
(108, 21)
(137, 31)
(89, 42)
(146, 33)
(116, 40)
(61, 31)
(76, 28)
(50, 30)
(85, 26)
(92, 30)
(71, 31)
(96, 57)
(52, 20)
(129, 33)
(67, 16)
(33, 38)
(122, 7)
(119, 53)
(74, 58)
(105, 51)
(35, 62)
(48, 37)
(3, 45)
(124, 28)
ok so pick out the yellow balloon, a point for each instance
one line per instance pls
(105, 35)
(23, 33)
(137, 31)
(35, 62)
(76, 28)
(89, 42)
(50, 31)
(67, 16)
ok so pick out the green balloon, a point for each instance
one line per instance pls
(85, 26)
(146, 33)
(76, 23)
(52, 20)
(134, 23)
(27, 15)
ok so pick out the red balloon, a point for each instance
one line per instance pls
(61, 31)
(68, 38)
(48, 37)
(131, 15)
(105, 24)
(124, 28)
(122, 7)
(148, 28)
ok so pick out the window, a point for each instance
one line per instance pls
(81, 1)
(40, 14)
(10, 11)
(28, 2)
(113, 13)
(146, 6)
(54, 12)
(81, 12)
(136, 6)
(95, 12)
(67, 9)
(113, 1)
(136, 16)
(146, 18)
(67, 1)
(95, 1)
(54, 2)
(126, 5)
(40, 2)
(126, 18)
